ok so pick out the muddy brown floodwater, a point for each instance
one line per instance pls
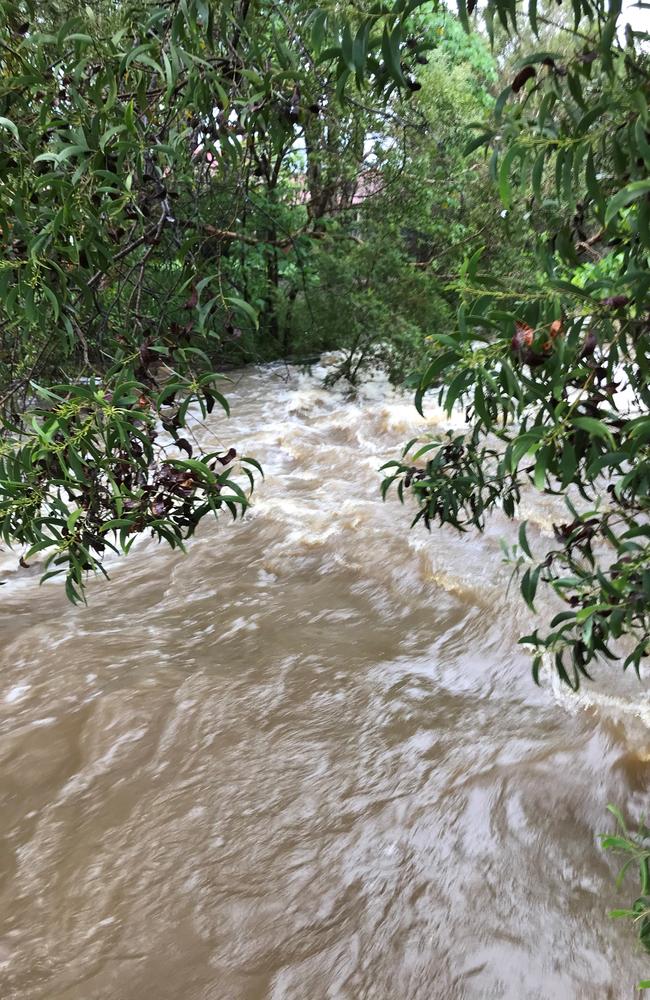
(306, 761)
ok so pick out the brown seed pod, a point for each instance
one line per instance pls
(616, 301)
(527, 73)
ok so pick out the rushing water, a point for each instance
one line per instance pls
(305, 761)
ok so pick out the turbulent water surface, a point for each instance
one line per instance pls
(306, 760)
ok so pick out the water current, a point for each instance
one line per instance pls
(306, 761)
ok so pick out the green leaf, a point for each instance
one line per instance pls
(11, 126)
(318, 30)
(108, 135)
(593, 187)
(593, 426)
(254, 463)
(341, 83)
(73, 518)
(479, 140)
(347, 48)
(593, 609)
(538, 57)
(390, 47)
(641, 140)
(360, 51)
(501, 103)
(632, 192)
(505, 188)
(117, 522)
(523, 541)
(45, 543)
(643, 222)
(537, 174)
(539, 476)
(243, 307)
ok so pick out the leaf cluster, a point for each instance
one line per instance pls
(552, 374)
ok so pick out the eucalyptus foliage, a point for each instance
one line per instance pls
(552, 372)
